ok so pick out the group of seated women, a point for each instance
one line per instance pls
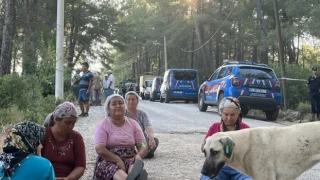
(57, 152)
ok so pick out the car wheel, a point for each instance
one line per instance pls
(244, 110)
(221, 96)
(202, 106)
(272, 115)
(167, 100)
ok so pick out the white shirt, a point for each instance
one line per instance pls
(106, 84)
(111, 79)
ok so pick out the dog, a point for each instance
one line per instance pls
(264, 153)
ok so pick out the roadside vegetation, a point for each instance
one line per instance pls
(128, 36)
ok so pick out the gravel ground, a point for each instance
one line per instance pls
(169, 161)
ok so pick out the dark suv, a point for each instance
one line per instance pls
(255, 85)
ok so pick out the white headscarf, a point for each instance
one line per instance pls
(107, 103)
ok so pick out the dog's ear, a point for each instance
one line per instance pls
(228, 145)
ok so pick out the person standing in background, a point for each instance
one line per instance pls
(75, 83)
(105, 86)
(96, 89)
(313, 83)
(111, 80)
(85, 86)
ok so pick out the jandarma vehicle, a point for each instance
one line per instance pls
(255, 85)
(179, 84)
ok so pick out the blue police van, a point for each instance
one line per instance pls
(180, 84)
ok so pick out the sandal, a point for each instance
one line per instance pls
(82, 114)
(86, 114)
(136, 170)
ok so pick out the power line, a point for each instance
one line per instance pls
(213, 34)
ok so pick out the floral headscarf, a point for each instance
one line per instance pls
(22, 140)
(63, 110)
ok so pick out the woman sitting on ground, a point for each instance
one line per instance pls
(132, 100)
(62, 145)
(115, 140)
(21, 154)
(231, 120)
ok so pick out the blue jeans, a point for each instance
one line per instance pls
(107, 92)
(227, 173)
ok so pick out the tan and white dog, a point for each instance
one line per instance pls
(264, 153)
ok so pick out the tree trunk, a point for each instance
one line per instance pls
(192, 47)
(72, 39)
(290, 52)
(30, 60)
(7, 38)
(239, 42)
(263, 34)
(254, 53)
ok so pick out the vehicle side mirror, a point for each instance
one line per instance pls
(143, 86)
(205, 78)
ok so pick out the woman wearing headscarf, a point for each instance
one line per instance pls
(231, 120)
(62, 145)
(115, 140)
(20, 158)
(132, 100)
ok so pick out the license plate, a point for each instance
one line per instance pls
(257, 90)
(177, 92)
(158, 94)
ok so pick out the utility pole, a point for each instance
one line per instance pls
(281, 58)
(165, 53)
(59, 50)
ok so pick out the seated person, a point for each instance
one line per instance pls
(63, 146)
(231, 120)
(132, 100)
(115, 140)
(21, 154)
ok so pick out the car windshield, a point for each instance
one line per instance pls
(148, 83)
(256, 72)
(184, 75)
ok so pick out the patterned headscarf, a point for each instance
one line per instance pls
(107, 103)
(22, 140)
(230, 102)
(64, 110)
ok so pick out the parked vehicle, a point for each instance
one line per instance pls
(179, 84)
(255, 85)
(145, 86)
(126, 86)
(155, 88)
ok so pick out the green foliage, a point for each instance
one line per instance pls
(22, 99)
(297, 90)
(304, 107)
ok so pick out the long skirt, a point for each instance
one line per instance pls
(105, 170)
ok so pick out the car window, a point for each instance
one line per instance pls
(256, 72)
(148, 83)
(221, 73)
(214, 75)
(184, 75)
(229, 71)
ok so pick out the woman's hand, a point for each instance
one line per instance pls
(137, 157)
(61, 178)
(121, 164)
(152, 143)
(202, 146)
